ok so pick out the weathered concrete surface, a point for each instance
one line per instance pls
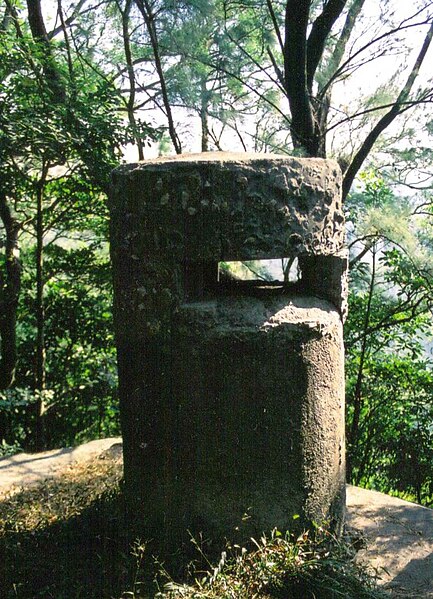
(223, 206)
(253, 431)
(259, 408)
(191, 398)
(171, 216)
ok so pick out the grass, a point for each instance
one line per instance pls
(66, 539)
(63, 539)
(313, 566)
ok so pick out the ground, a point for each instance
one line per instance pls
(399, 541)
(396, 536)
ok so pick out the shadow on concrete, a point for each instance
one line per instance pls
(398, 541)
(416, 579)
(27, 458)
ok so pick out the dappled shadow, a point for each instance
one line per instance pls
(399, 540)
(393, 521)
(416, 579)
(80, 556)
(26, 458)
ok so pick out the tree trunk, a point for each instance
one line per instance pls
(149, 20)
(204, 117)
(358, 398)
(38, 441)
(10, 287)
(295, 77)
(39, 34)
(131, 77)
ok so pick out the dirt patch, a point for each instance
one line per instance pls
(25, 469)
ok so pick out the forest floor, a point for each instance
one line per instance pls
(396, 537)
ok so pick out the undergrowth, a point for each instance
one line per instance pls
(314, 565)
(66, 539)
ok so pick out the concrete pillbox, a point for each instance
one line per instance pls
(232, 397)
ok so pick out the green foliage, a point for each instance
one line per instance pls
(60, 135)
(394, 449)
(313, 565)
(80, 398)
(7, 450)
(388, 333)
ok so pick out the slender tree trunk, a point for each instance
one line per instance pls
(295, 77)
(10, 286)
(366, 455)
(321, 113)
(149, 19)
(131, 76)
(358, 398)
(40, 35)
(204, 116)
(39, 373)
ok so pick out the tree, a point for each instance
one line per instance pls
(54, 173)
(283, 63)
(389, 372)
(316, 47)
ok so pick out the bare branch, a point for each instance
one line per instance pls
(279, 83)
(277, 69)
(340, 46)
(319, 32)
(368, 45)
(75, 13)
(405, 106)
(388, 118)
(254, 89)
(149, 20)
(275, 24)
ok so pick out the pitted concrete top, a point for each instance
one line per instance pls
(229, 206)
(216, 157)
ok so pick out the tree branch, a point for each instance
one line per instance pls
(248, 85)
(366, 46)
(404, 106)
(149, 20)
(10, 285)
(275, 24)
(130, 105)
(319, 32)
(39, 34)
(279, 83)
(340, 46)
(387, 119)
(68, 21)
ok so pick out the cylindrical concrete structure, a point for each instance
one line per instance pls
(259, 407)
(231, 401)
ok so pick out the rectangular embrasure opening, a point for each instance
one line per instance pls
(278, 271)
(205, 279)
